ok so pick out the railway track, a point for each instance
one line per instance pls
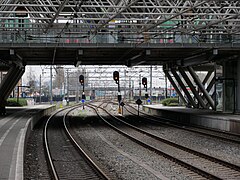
(65, 157)
(229, 137)
(201, 164)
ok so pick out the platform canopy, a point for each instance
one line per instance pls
(126, 32)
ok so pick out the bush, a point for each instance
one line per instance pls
(13, 102)
(169, 102)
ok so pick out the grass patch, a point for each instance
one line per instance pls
(170, 102)
(13, 102)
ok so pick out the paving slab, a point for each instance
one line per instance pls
(13, 135)
(201, 117)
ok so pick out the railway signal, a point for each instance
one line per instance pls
(144, 82)
(138, 102)
(116, 79)
(81, 80)
(116, 76)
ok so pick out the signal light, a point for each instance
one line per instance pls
(144, 82)
(81, 79)
(116, 76)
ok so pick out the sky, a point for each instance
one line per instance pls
(106, 73)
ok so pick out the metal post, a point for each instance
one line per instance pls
(138, 110)
(215, 86)
(129, 90)
(40, 91)
(119, 98)
(83, 101)
(77, 93)
(51, 95)
(67, 88)
(166, 91)
(133, 89)
(119, 88)
(17, 94)
(151, 84)
(139, 86)
(125, 78)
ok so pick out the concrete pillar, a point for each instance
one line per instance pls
(229, 87)
(238, 87)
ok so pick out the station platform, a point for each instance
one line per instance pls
(15, 129)
(199, 117)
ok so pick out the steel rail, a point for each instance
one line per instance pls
(76, 145)
(47, 150)
(158, 151)
(149, 117)
(171, 143)
(53, 171)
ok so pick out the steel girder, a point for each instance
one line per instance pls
(175, 86)
(201, 87)
(183, 87)
(10, 80)
(191, 86)
(153, 18)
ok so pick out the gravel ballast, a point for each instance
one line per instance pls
(126, 158)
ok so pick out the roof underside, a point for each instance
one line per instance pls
(129, 26)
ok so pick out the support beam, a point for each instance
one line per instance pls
(212, 82)
(201, 87)
(183, 88)
(10, 81)
(4, 86)
(176, 15)
(15, 81)
(207, 77)
(212, 96)
(175, 86)
(209, 87)
(189, 83)
(56, 14)
(115, 15)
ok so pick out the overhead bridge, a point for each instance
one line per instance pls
(181, 35)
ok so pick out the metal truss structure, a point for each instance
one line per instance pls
(137, 19)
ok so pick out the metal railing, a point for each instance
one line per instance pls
(33, 36)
